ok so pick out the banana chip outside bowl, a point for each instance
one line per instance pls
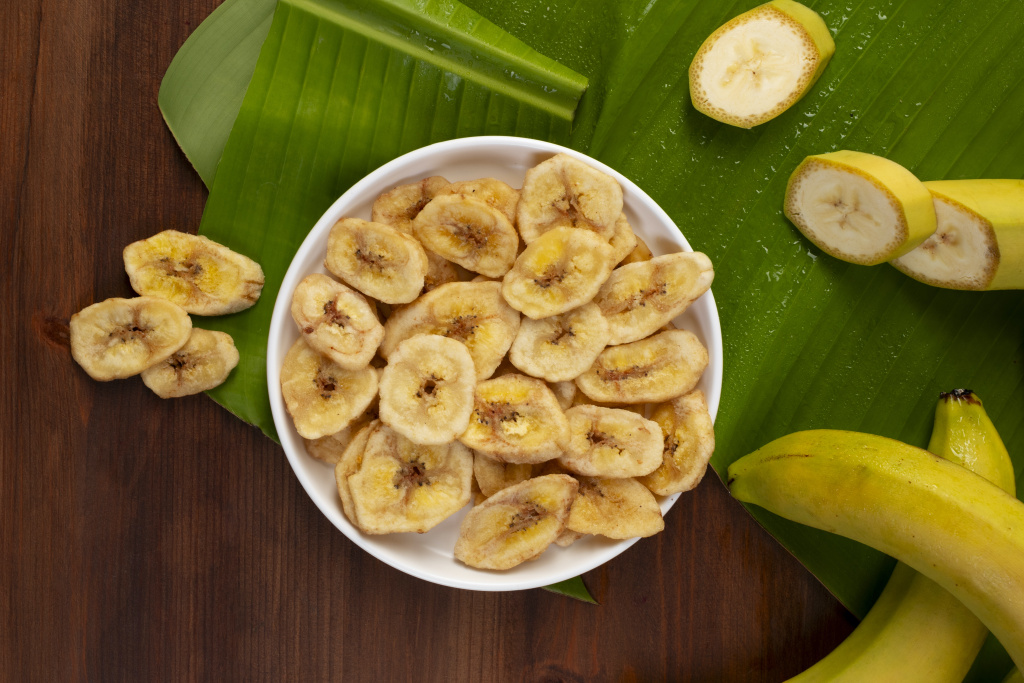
(430, 556)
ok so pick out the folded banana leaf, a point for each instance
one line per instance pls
(810, 341)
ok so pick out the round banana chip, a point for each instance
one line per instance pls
(493, 475)
(560, 348)
(608, 442)
(468, 232)
(204, 362)
(440, 271)
(564, 192)
(616, 508)
(321, 396)
(517, 523)
(651, 370)
(331, 448)
(640, 298)
(516, 419)
(198, 274)
(490, 191)
(689, 444)
(473, 313)
(336, 321)
(426, 390)
(398, 486)
(378, 260)
(557, 272)
(641, 252)
(350, 462)
(399, 206)
(118, 338)
(623, 241)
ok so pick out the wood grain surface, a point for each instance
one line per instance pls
(147, 540)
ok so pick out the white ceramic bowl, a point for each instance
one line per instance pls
(430, 556)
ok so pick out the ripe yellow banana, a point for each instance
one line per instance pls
(1014, 677)
(916, 630)
(946, 522)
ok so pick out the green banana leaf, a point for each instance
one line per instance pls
(810, 341)
(573, 588)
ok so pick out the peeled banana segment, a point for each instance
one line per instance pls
(979, 237)
(623, 241)
(198, 274)
(118, 338)
(559, 271)
(563, 192)
(398, 207)
(517, 523)
(608, 442)
(336, 321)
(473, 313)
(426, 390)
(640, 298)
(615, 508)
(688, 445)
(468, 232)
(560, 348)
(516, 419)
(859, 207)
(321, 396)
(490, 191)
(651, 370)
(758, 64)
(399, 486)
(493, 475)
(204, 362)
(376, 259)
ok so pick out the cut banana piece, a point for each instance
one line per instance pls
(979, 239)
(516, 419)
(468, 232)
(615, 508)
(493, 476)
(640, 298)
(204, 362)
(559, 271)
(563, 192)
(565, 393)
(350, 462)
(757, 65)
(440, 271)
(321, 396)
(473, 313)
(378, 260)
(859, 207)
(490, 191)
(517, 523)
(581, 399)
(399, 486)
(561, 347)
(641, 252)
(332, 447)
(198, 274)
(426, 390)
(336, 321)
(118, 338)
(623, 241)
(399, 206)
(689, 444)
(655, 369)
(568, 537)
(607, 442)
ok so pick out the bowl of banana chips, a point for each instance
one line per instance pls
(495, 362)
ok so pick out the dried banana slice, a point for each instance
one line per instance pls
(557, 272)
(608, 442)
(689, 443)
(623, 241)
(516, 419)
(616, 508)
(466, 231)
(517, 523)
(350, 462)
(204, 362)
(473, 313)
(118, 338)
(561, 347)
(332, 447)
(378, 260)
(198, 274)
(440, 271)
(493, 476)
(655, 369)
(426, 390)
(581, 399)
(641, 252)
(399, 206)
(568, 537)
(399, 486)
(564, 192)
(336, 321)
(565, 393)
(641, 297)
(490, 191)
(321, 396)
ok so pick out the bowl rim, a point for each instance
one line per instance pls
(282, 317)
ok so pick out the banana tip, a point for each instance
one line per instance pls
(960, 395)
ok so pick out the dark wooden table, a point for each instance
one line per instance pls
(144, 539)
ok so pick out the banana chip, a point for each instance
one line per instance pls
(493, 476)
(376, 259)
(331, 448)
(689, 444)
(204, 362)
(606, 442)
(623, 241)
(563, 192)
(468, 232)
(492, 192)
(560, 348)
(615, 508)
(399, 206)
(336, 321)
(641, 252)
